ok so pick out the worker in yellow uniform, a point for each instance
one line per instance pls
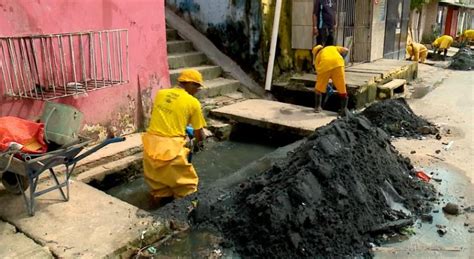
(442, 44)
(417, 51)
(329, 64)
(468, 35)
(168, 173)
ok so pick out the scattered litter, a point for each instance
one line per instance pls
(435, 157)
(423, 176)
(442, 230)
(448, 146)
(451, 208)
(142, 236)
(152, 250)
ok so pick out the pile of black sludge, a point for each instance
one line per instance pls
(329, 198)
(396, 118)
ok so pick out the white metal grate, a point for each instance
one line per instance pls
(46, 67)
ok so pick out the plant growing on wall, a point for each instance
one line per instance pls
(417, 4)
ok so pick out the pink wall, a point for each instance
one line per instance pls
(145, 22)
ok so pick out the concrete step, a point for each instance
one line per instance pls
(100, 172)
(179, 46)
(218, 86)
(172, 34)
(189, 59)
(208, 72)
(387, 91)
(92, 224)
(290, 118)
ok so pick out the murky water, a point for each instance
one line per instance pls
(427, 243)
(218, 160)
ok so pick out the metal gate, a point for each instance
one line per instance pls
(396, 29)
(345, 23)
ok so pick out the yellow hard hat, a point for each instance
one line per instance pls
(191, 75)
(316, 49)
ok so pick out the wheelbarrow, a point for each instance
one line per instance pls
(19, 170)
(23, 170)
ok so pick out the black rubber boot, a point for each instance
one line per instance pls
(343, 111)
(317, 102)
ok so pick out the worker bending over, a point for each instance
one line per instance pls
(417, 51)
(167, 170)
(442, 44)
(329, 64)
(467, 36)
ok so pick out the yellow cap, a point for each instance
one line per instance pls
(316, 49)
(191, 75)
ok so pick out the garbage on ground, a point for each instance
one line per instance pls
(442, 230)
(422, 175)
(448, 146)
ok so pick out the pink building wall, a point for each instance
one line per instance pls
(145, 21)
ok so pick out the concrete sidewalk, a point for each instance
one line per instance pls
(17, 245)
(92, 224)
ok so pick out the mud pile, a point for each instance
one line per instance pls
(397, 119)
(331, 197)
(463, 60)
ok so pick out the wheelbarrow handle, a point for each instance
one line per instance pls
(97, 147)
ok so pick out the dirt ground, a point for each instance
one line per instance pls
(450, 105)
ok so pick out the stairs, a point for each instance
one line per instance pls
(219, 87)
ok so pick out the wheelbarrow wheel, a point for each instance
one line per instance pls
(11, 183)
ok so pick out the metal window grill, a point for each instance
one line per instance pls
(46, 67)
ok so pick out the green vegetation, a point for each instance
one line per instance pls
(417, 4)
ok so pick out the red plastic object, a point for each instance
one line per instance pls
(423, 176)
(27, 133)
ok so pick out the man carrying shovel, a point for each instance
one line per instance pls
(167, 170)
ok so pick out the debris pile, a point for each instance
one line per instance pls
(463, 60)
(397, 119)
(330, 198)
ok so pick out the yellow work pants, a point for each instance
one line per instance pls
(338, 80)
(166, 168)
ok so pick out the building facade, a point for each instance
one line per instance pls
(106, 58)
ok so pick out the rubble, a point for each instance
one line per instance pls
(397, 119)
(332, 197)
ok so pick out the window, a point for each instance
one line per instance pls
(51, 66)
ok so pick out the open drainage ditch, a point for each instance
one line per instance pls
(218, 160)
(282, 211)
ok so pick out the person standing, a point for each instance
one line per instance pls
(167, 171)
(329, 64)
(324, 21)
